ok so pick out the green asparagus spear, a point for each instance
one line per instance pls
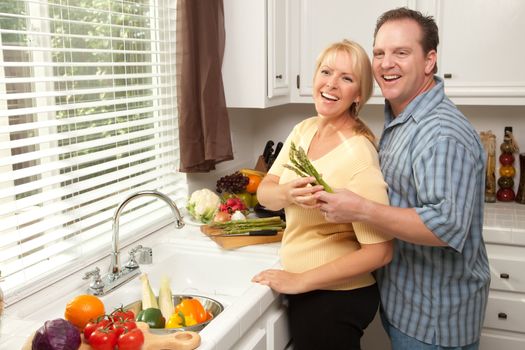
(302, 166)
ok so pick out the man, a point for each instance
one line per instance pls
(434, 292)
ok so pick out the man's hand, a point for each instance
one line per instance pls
(342, 206)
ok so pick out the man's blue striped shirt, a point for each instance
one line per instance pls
(433, 161)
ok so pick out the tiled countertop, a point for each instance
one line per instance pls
(504, 223)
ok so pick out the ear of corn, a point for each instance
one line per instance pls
(148, 298)
(166, 298)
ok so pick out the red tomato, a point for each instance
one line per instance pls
(93, 325)
(122, 326)
(103, 339)
(131, 340)
(121, 314)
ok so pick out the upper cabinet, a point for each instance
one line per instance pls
(272, 46)
(481, 52)
(256, 66)
(328, 21)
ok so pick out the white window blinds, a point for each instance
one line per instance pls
(87, 116)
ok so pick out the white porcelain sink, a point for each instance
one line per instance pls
(203, 271)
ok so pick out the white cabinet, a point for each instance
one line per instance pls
(480, 51)
(328, 21)
(504, 232)
(256, 61)
(269, 332)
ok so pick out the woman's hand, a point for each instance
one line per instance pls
(300, 192)
(281, 281)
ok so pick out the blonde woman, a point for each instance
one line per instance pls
(327, 267)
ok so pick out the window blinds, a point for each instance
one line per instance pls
(87, 116)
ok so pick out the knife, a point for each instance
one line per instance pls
(251, 233)
(275, 154)
(268, 149)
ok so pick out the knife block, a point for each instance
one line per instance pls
(261, 165)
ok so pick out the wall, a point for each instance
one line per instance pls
(251, 128)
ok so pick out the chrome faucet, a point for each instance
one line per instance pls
(115, 269)
(118, 275)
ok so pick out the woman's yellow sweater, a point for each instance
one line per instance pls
(309, 240)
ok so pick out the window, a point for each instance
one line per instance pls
(88, 115)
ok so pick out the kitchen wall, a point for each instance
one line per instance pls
(251, 128)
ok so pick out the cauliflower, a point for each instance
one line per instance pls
(203, 205)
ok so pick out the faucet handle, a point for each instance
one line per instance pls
(96, 285)
(132, 263)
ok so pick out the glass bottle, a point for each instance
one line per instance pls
(520, 196)
(488, 139)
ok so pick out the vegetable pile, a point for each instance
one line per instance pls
(164, 314)
(302, 166)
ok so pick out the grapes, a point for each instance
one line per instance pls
(234, 183)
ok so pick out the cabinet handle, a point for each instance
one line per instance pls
(502, 316)
(504, 276)
(447, 75)
(280, 76)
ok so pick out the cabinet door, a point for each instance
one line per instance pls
(277, 329)
(505, 311)
(492, 339)
(328, 21)
(507, 264)
(278, 47)
(480, 53)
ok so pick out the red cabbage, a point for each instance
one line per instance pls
(57, 334)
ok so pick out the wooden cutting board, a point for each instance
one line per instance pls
(238, 241)
(174, 341)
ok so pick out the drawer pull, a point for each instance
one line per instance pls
(504, 276)
(447, 75)
(280, 76)
(502, 316)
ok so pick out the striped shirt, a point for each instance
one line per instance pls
(433, 161)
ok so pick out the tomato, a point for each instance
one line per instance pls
(506, 159)
(122, 326)
(93, 325)
(121, 314)
(131, 340)
(103, 339)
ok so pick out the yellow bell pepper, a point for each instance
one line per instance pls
(178, 319)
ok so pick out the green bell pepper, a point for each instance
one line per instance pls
(153, 317)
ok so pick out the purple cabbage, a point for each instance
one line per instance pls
(57, 334)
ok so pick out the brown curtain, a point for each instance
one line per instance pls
(204, 127)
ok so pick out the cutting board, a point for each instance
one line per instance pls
(174, 341)
(238, 241)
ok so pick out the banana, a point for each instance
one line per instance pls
(246, 171)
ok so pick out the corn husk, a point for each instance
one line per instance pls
(166, 298)
(148, 298)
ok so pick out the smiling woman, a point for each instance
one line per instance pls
(86, 115)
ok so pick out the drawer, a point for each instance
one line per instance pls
(507, 266)
(492, 339)
(505, 311)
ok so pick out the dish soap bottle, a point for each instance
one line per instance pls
(507, 170)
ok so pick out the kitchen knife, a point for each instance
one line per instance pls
(268, 150)
(275, 154)
(251, 233)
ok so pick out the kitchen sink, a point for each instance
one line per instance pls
(194, 270)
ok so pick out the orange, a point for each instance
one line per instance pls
(253, 183)
(82, 309)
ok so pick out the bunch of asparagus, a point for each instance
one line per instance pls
(302, 166)
(248, 225)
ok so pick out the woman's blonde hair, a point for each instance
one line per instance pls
(362, 69)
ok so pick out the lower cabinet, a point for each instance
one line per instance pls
(269, 332)
(504, 326)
